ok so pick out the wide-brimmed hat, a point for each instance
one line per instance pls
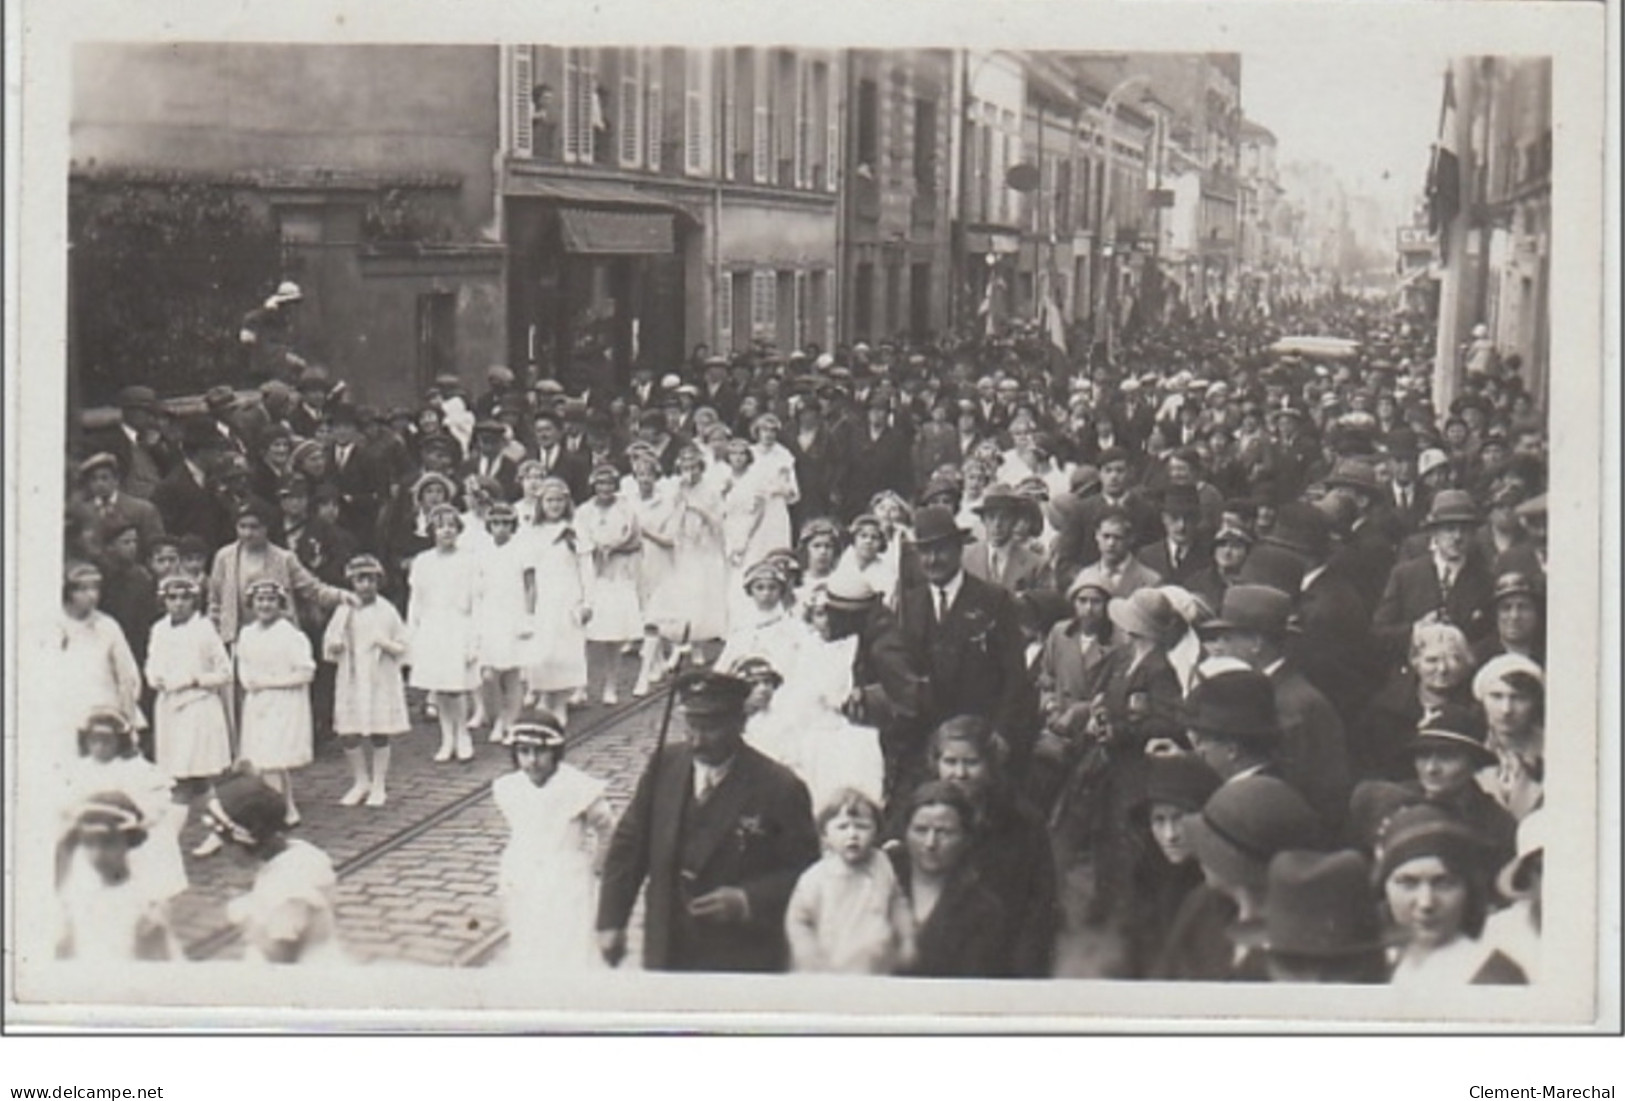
(99, 461)
(1502, 667)
(1356, 474)
(138, 397)
(1247, 821)
(1319, 907)
(1371, 805)
(1260, 608)
(219, 399)
(1457, 728)
(935, 524)
(429, 478)
(1430, 460)
(1273, 566)
(1238, 704)
(1452, 506)
(1513, 881)
(1144, 612)
(287, 291)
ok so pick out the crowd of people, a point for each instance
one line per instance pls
(1224, 658)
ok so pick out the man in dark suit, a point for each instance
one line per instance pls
(879, 455)
(183, 498)
(104, 509)
(1002, 559)
(489, 461)
(1075, 544)
(720, 833)
(963, 636)
(1372, 544)
(362, 483)
(717, 392)
(1448, 584)
(557, 460)
(144, 456)
(1181, 553)
(819, 462)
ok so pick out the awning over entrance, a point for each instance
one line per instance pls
(617, 232)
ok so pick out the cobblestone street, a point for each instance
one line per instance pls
(417, 878)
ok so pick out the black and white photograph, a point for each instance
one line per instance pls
(544, 524)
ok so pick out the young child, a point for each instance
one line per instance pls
(275, 668)
(188, 667)
(441, 618)
(559, 829)
(287, 917)
(96, 659)
(609, 527)
(194, 557)
(109, 761)
(108, 913)
(367, 643)
(768, 630)
(847, 914)
(164, 558)
(556, 602)
(505, 628)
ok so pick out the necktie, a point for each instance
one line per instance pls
(942, 605)
(105, 506)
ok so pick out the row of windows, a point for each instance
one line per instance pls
(760, 116)
(786, 308)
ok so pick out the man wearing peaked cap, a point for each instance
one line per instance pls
(1448, 584)
(1450, 748)
(720, 833)
(1253, 625)
(103, 507)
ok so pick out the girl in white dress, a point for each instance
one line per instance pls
(820, 551)
(444, 644)
(559, 827)
(108, 913)
(775, 471)
(651, 499)
(275, 668)
(693, 600)
(367, 643)
(833, 751)
(531, 476)
(769, 630)
(866, 556)
(608, 527)
(110, 760)
(287, 917)
(744, 508)
(556, 601)
(188, 667)
(96, 657)
(501, 617)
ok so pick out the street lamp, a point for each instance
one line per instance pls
(1108, 246)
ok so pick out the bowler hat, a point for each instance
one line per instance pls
(138, 397)
(1275, 567)
(1181, 500)
(713, 693)
(1246, 822)
(1234, 704)
(1002, 498)
(1259, 608)
(1357, 474)
(220, 398)
(1319, 907)
(936, 524)
(1452, 506)
(1302, 528)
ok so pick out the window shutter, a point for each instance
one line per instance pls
(803, 121)
(695, 99)
(523, 75)
(764, 287)
(803, 314)
(831, 296)
(832, 129)
(725, 313)
(730, 112)
(572, 104)
(629, 106)
(654, 110)
(761, 133)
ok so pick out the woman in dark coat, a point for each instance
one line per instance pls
(1011, 853)
(1166, 870)
(959, 922)
(1437, 676)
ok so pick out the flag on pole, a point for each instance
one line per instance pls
(1053, 324)
(1444, 174)
(985, 310)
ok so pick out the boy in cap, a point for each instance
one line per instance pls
(102, 505)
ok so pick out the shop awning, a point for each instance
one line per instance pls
(617, 232)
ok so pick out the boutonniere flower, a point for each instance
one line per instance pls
(750, 826)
